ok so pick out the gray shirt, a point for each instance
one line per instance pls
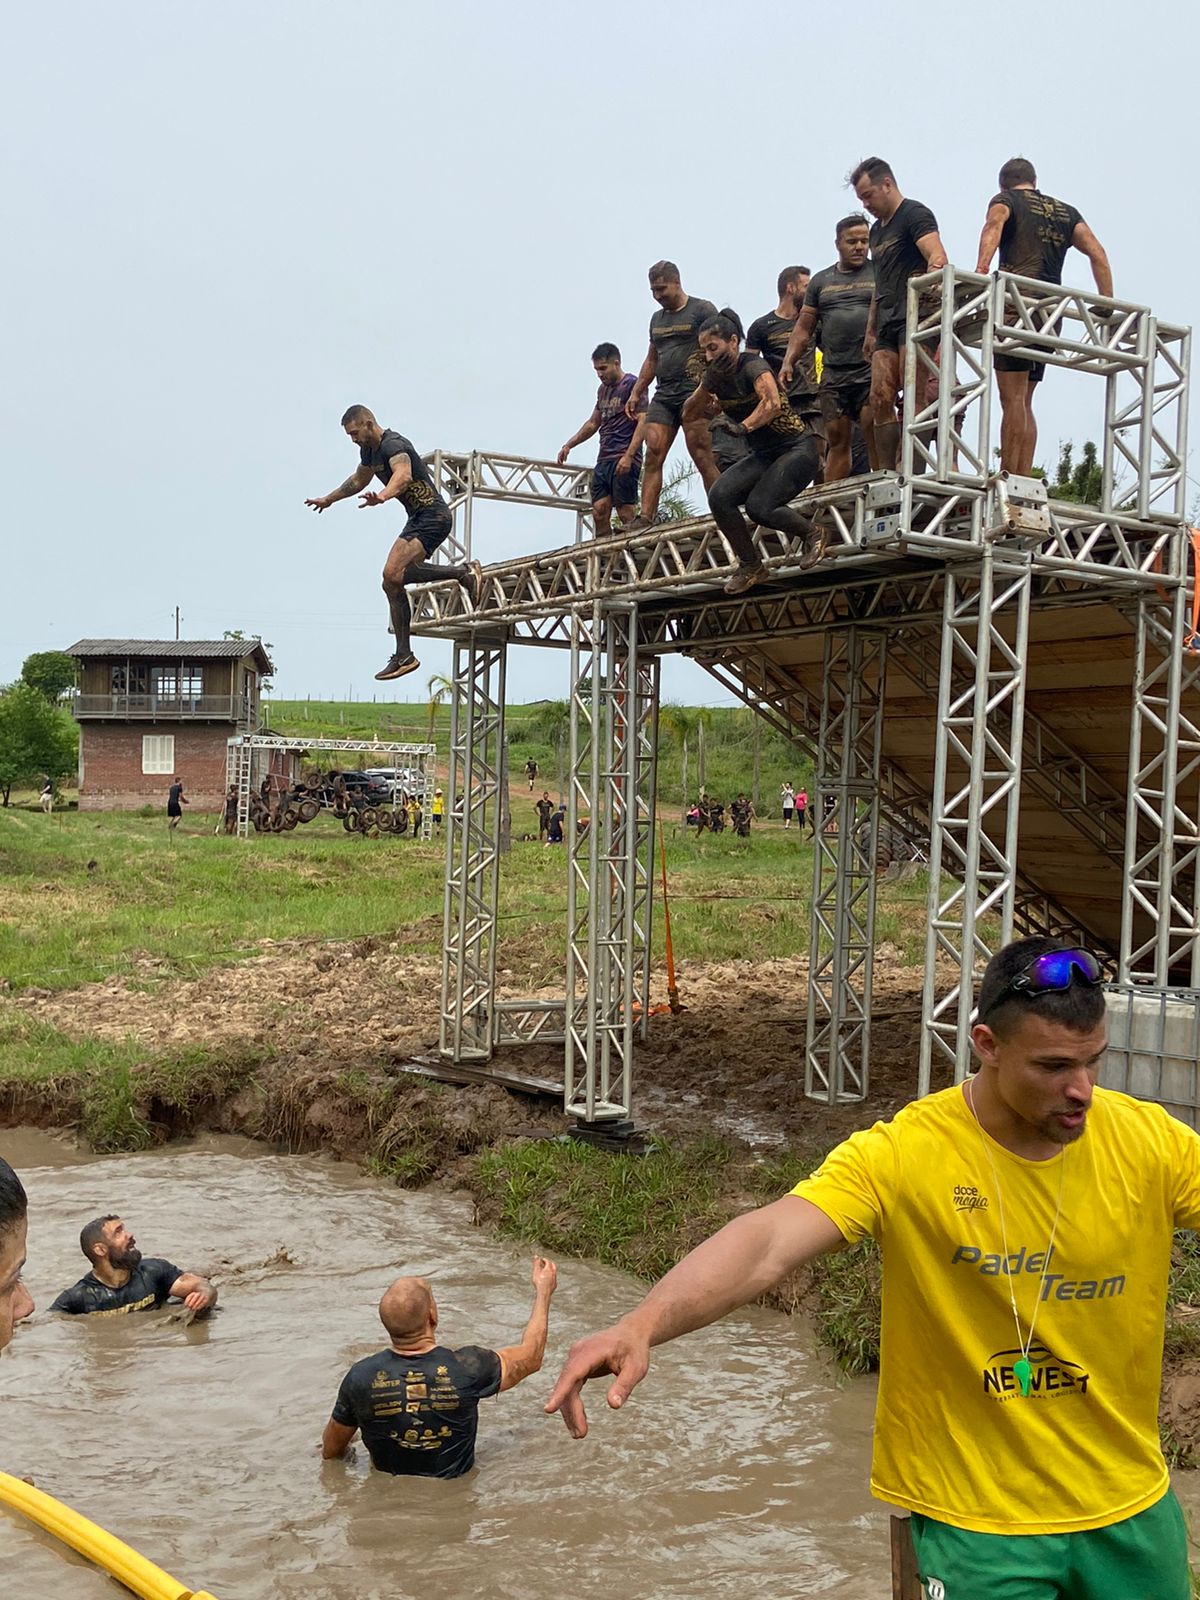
(675, 337)
(842, 302)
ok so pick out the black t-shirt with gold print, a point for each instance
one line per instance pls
(420, 493)
(418, 1414)
(1037, 234)
(733, 385)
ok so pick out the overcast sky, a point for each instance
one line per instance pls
(226, 222)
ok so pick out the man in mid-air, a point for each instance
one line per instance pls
(904, 243)
(417, 1402)
(619, 459)
(1033, 232)
(123, 1280)
(674, 360)
(397, 464)
(837, 309)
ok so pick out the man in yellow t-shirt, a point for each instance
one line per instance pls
(1025, 1220)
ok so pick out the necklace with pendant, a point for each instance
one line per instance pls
(1022, 1367)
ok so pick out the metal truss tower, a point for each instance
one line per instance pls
(915, 666)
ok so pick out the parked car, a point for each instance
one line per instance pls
(396, 780)
(362, 788)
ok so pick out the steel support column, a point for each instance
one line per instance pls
(1160, 936)
(847, 834)
(610, 844)
(976, 792)
(472, 849)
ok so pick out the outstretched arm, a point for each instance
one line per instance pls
(989, 239)
(590, 427)
(354, 484)
(1084, 239)
(733, 1267)
(520, 1361)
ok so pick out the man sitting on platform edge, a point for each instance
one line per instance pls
(417, 1402)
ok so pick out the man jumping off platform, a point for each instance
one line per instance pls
(782, 460)
(836, 312)
(396, 462)
(618, 462)
(1033, 232)
(1025, 1219)
(674, 360)
(904, 243)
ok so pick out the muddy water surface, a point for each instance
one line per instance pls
(740, 1469)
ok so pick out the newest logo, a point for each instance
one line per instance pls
(1051, 1376)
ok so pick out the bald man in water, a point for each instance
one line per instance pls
(417, 1402)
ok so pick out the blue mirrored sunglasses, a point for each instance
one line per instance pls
(1052, 973)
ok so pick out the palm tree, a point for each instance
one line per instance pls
(673, 503)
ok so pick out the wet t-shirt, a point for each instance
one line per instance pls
(895, 256)
(734, 389)
(616, 430)
(842, 302)
(420, 493)
(770, 335)
(148, 1288)
(173, 796)
(675, 336)
(418, 1414)
(1037, 235)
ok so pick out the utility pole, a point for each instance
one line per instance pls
(177, 622)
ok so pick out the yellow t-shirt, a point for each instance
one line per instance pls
(954, 1436)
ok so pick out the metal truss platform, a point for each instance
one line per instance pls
(999, 676)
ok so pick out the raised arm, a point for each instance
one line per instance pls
(346, 490)
(1084, 239)
(645, 378)
(802, 333)
(735, 1266)
(400, 479)
(197, 1293)
(989, 239)
(591, 426)
(769, 402)
(520, 1361)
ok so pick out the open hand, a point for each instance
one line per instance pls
(617, 1350)
(371, 498)
(323, 503)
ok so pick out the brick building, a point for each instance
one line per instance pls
(150, 708)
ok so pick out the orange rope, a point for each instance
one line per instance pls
(672, 986)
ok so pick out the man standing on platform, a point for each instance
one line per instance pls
(673, 359)
(1025, 1220)
(770, 336)
(615, 476)
(904, 243)
(397, 464)
(836, 311)
(1033, 232)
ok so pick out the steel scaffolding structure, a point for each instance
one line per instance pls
(243, 747)
(945, 581)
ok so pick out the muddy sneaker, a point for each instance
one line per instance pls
(472, 582)
(813, 547)
(745, 578)
(639, 524)
(399, 667)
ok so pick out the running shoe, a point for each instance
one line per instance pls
(473, 582)
(813, 547)
(399, 667)
(745, 578)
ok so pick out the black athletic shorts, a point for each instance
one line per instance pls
(890, 331)
(844, 392)
(619, 487)
(667, 406)
(1035, 369)
(431, 525)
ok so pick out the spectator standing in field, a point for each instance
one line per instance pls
(545, 810)
(438, 809)
(531, 772)
(231, 805)
(414, 816)
(176, 800)
(742, 814)
(787, 797)
(46, 798)
(801, 807)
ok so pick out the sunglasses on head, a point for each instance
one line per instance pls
(1051, 973)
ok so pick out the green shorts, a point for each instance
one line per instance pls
(1143, 1558)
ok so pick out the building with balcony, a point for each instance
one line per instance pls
(150, 708)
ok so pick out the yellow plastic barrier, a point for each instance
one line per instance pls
(125, 1565)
